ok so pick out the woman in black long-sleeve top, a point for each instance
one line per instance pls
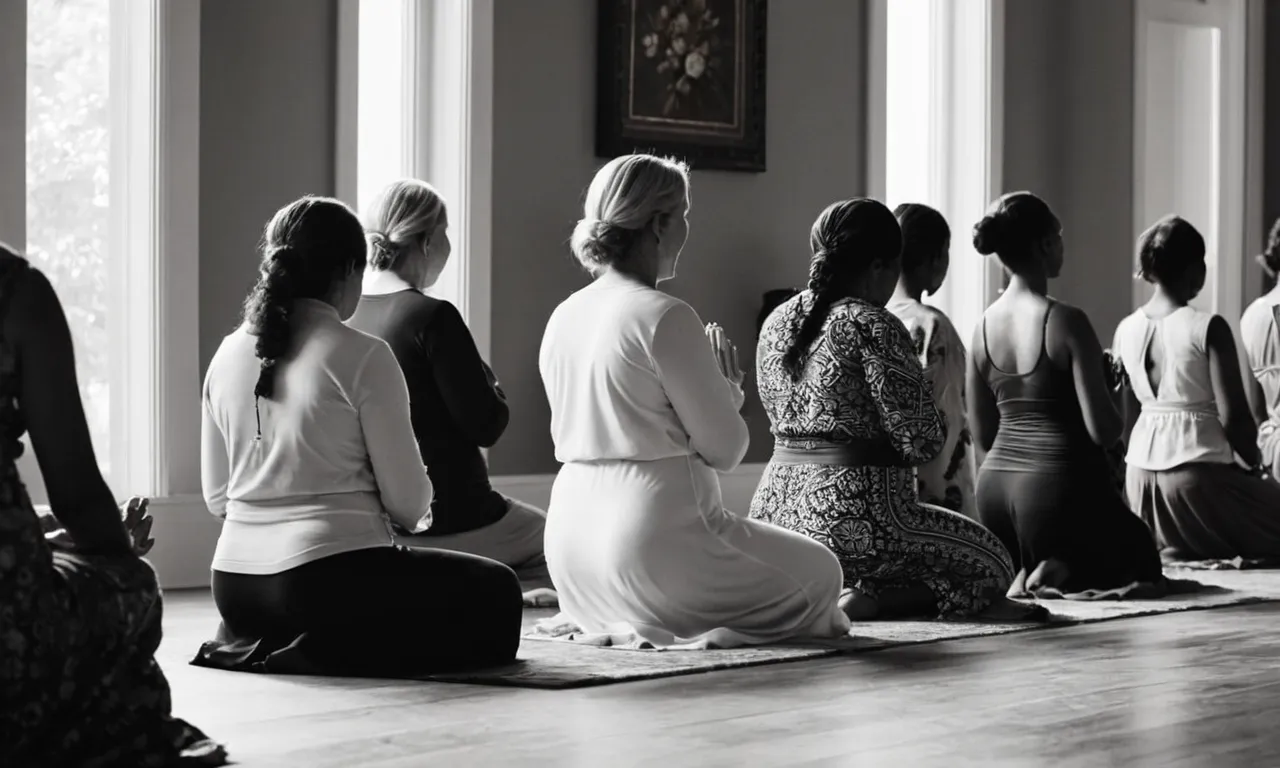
(457, 405)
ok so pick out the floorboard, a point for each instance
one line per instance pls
(1188, 689)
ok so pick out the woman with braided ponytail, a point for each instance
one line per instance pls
(643, 412)
(1041, 409)
(308, 458)
(852, 416)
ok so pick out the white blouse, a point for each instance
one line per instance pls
(631, 375)
(336, 457)
(1179, 423)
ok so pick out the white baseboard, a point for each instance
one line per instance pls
(186, 533)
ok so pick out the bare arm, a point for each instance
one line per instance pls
(1096, 406)
(984, 415)
(1257, 399)
(50, 396)
(1228, 390)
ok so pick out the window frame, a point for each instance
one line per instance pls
(154, 212)
(447, 77)
(959, 187)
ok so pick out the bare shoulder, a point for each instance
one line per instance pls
(1069, 318)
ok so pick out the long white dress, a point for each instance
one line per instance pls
(637, 539)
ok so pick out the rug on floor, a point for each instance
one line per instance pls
(560, 663)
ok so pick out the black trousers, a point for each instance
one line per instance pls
(381, 612)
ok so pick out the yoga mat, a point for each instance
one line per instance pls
(560, 663)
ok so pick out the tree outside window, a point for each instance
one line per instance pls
(68, 153)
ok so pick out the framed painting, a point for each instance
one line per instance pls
(683, 78)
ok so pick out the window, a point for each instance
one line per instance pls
(68, 147)
(935, 127)
(109, 214)
(415, 93)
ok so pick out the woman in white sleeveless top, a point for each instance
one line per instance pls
(1183, 477)
(1260, 335)
(644, 411)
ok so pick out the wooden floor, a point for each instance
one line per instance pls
(1189, 689)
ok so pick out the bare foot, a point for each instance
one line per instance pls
(858, 606)
(1011, 611)
(541, 598)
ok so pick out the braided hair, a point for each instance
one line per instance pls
(847, 238)
(308, 248)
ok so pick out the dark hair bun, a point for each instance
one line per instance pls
(989, 235)
(1168, 248)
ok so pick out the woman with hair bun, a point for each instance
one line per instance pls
(308, 457)
(1260, 335)
(457, 405)
(644, 410)
(1183, 478)
(852, 416)
(1039, 405)
(947, 480)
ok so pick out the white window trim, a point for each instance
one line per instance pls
(155, 182)
(448, 131)
(155, 85)
(1231, 17)
(953, 179)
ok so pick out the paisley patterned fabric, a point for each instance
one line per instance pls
(79, 684)
(862, 381)
(947, 480)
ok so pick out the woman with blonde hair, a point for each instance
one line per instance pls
(457, 406)
(644, 411)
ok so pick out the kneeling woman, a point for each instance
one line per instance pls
(1183, 478)
(852, 415)
(638, 540)
(1039, 405)
(307, 451)
(457, 406)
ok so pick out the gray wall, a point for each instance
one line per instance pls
(267, 136)
(749, 232)
(267, 94)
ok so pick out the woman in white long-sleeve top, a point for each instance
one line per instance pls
(644, 411)
(308, 455)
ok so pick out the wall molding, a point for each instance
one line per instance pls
(186, 534)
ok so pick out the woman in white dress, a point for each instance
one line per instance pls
(644, 411)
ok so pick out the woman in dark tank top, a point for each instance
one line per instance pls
(1040, 408)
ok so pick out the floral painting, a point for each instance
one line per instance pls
(685, 78)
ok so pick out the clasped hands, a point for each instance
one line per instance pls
(726, 354)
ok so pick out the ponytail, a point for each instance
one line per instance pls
(821, 287)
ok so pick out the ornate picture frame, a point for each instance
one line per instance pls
(684, 78)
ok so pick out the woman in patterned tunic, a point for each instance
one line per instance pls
(947, 480)
(79, 609)
(852, 415)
